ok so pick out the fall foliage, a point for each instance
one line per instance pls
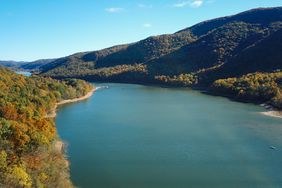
(26, 135)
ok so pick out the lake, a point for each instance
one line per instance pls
(134, 136)
(25, 73)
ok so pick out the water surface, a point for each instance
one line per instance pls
(133, 136)
(25, 73)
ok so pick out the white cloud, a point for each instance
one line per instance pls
(140, 5)
(147, 25)
(114, 10)
(193, 4)
(196, 3)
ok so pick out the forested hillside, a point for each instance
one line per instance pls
(198, 56)
(93, 63)
(255, 87)
(27, 134)
(205, 49)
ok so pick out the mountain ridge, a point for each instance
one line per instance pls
(25, 65)
(198, 56)
(173, 54)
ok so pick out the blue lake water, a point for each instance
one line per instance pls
(134, 136)
(24, 73)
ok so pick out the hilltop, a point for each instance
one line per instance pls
(197, 56)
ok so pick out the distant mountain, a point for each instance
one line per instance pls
(33, 65)
(11, 63)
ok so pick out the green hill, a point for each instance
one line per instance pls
(206, 45)
(197, 56)
(89, 63)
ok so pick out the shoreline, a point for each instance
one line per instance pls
(272, 113)
(59, 145)
(53, 113)
(89, 94)
(270, 110)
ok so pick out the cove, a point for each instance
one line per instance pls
(134, 136)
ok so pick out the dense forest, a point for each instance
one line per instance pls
(234, 46)
(257, 87)
(27, 134)
(215, 47)
(197, 56)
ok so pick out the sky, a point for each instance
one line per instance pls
(38, 29)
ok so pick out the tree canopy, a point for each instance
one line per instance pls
(27, 134)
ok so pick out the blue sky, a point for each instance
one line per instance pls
(35, 29)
